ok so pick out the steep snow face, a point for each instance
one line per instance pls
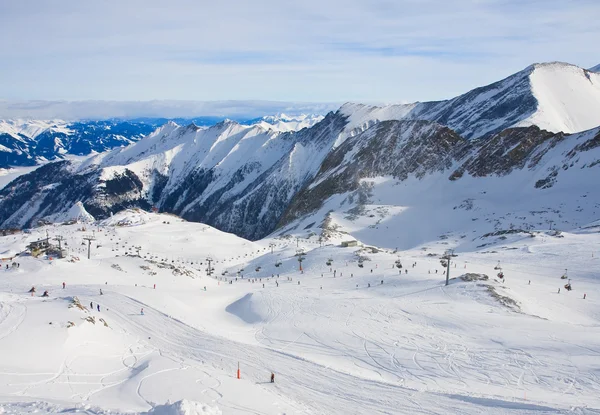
(595, 68)
(286, 123)
(568, 98)
(360, 117)
(553, 96)
(76, 213)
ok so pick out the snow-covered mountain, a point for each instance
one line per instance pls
(553, 96)
(31, 142)
(286, 123)
(595, 68)
(254, 179)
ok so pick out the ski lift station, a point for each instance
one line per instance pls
(348, 244)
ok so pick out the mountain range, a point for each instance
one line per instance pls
(33, 142)
(528, 143)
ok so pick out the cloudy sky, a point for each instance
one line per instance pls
(309, 50)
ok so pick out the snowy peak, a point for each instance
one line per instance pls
(568, 98)
(77, 213)
(554, 96)
(287, 123)
(33, 128)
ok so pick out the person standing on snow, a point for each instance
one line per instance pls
(272, 377)
(98, 306)
(92, 306)
(64, 285)
(142, 312)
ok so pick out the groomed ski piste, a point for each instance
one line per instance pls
(358, 336)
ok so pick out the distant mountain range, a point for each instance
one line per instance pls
(532, 137)
(31, 142)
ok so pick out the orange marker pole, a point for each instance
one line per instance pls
(238, 372)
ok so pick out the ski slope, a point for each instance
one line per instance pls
(338, 340)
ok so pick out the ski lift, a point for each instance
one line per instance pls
(564, 276)
(498, 266)
(444, 262)
(398, 263)
(568, 286)
(501, 275)
(257, 269)
(328, 262)
(278, 264)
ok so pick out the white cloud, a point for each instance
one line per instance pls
(387, 50)
(68, 110)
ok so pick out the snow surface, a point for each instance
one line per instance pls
(568, 98)
(32, 128)
(76, 213)
(287, 123)
(338, 343)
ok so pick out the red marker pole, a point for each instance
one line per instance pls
(238, 372)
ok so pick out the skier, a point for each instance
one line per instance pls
(272, 377)
(32, 290)
(91, 306)
(98, 305)
(142, 312)
(64, 285)
(101, 293)
(45, 294)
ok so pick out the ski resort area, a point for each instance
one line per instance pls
(300, 208)
(173, 317)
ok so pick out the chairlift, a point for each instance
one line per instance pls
(564, 276)
(568, 286)
(501, 275)
(498, 266)
(398, 264)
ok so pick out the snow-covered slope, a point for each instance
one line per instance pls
(76, 213)
(140, 328)
(595, 68)
(32, 128)
(287, 123)
(568, 98)
(32, 142)
(519, 179)
(553, 96)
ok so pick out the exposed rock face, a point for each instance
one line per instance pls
(390, 148)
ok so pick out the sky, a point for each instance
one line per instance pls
(329, 51)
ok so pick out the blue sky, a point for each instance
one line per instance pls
(311, 51)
